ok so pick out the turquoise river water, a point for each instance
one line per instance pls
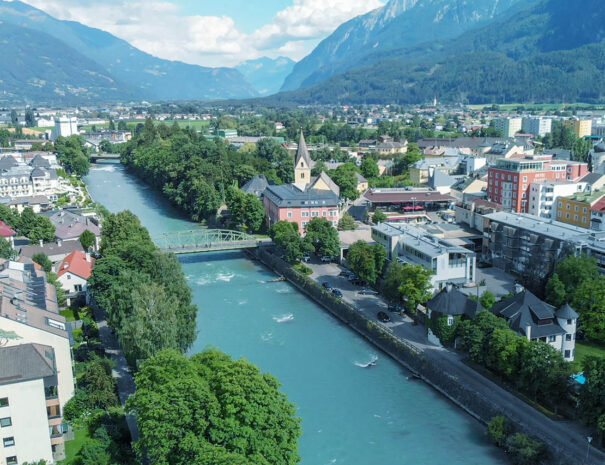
(351, 415)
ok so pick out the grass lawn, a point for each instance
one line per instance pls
(73, 447)
(582, 350)
(68, 313)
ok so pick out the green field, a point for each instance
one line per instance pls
(582, 350)
(73, 447)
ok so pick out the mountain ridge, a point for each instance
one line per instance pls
(265, 74)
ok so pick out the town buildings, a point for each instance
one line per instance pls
(73, 272)
(543, 196)
(30, 414)
(538, 126)
(580, 127)
(65, 127)
(508, 126)
(21, 180)
(577, 209)
(509, 181)
(307, 198)
(450, 263)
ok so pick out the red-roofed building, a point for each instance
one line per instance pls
(7, 233)
(597, 215)
(74, 271)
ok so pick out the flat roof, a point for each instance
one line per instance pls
(403, 196)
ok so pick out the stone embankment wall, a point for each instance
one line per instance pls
(431, 370)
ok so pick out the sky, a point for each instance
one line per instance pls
(213, 32)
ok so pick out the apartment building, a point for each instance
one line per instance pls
(537, 126)
(577, 209)
(543, 196)
(508, 126)
(450, 263)
(31, 426)
(518, 242)
(509, 181)
(580, 127)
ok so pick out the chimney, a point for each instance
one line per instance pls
(59, 242)
(528, 332)
(87, 257)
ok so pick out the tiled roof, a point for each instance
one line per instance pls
(288, 195)
(77, 263)
(51, 248)
(73, 230)
(450, 301)
(6, 230)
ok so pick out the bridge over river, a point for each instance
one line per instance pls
(205, 240)
(97, 157)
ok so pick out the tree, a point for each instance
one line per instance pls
(525, 450)
(487, 300)
(361, 261)
(87, 239)
(287, 238)
(323, 237)
(344, 176)
(555, 291)
(30, 119)
(378, 217)
(592, 392)
(411, 283)
(575, 270)
(35, 227)
(6, 250)
(43, 260)
(210, 409)
(346, 223)
(105, 146)
(369, 168)
(498, 430)
(589, 302)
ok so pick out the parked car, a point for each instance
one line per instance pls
(337, 293)
(394, 308)
(326, 259)
(352, 277)
(357, 282)
(327, 286)
(368, 292)
(383, 317)
(484, 265)
(306, 258)
(345, 273)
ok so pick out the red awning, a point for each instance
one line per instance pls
(408, 208)
(418, 207)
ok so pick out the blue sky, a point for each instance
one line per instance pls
(214, 32)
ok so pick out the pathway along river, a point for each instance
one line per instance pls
(351, 415)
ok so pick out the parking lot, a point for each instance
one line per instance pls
(370, 305)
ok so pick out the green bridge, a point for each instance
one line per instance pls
(204, 240)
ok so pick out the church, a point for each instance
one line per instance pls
(307, 198)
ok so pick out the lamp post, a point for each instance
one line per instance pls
(589, 439)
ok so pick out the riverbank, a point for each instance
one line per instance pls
(446, 373)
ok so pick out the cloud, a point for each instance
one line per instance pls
(159, 27)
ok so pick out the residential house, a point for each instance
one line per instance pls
(73, 231)
(543, 196)
(538, 126)
(468, 186)
(450, 263)
(362, 183)
(597, 215)
(580, 127)
(536, 320)
(7, 233)
(73, 272)
(392, 148)
(257, 185)
(420, 171)
(37, 203)
(30, 412)
(55, 251)
(576, 209)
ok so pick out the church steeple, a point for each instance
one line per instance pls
(302, 164)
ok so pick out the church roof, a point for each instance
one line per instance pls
(303, 152)
(328, 180)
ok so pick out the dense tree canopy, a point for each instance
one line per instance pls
(411, 283)
(322, 237)
(73, 154)
(212, 410)
(367, 261)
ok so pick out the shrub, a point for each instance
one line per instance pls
(498, 430)
(524, 450)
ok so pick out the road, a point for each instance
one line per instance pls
(561, 432)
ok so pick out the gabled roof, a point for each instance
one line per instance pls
(441, 179)
(360, 178)
(25, 362)
(73, 230)
(8, 162)
(450, 301)
(77, 263)
(256, 185)
(303, 152)
(328, 180)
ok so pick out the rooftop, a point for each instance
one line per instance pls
(536, 224)
(406, 196)
(26, 362)
(586, 197)
(77, 263)
(288, 195)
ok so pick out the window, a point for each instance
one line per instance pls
(524, 178)
(567, 354)
(585, 209)
(569, 322)
(497, 175)
(11, 460)
(450, 320)
(4, 402)
(8, 442)
(324, 213)
(302, 175)
(560, 204)
(567, 215)
(577, 208)
(568, 337)
(575, 217)
(314, 214)
(567, 206)
(304, 224)
(305, 214)
(552, 338)
(4, 422)
(289, 214)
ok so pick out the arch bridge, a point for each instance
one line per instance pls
(204, 240)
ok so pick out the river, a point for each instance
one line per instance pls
(351, 415)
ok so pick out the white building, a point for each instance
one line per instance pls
(30, 416)
(537, 126)
(508, 126)
(543, 196)
(73, 272)
(65, 127)
(450, 263)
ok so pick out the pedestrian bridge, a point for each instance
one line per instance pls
(97, 157)
(204, 240)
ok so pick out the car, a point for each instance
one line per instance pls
(326, 259)
(337, 293)
(484, 265)
(368, 292)
(394, 308)
(306, 258)
(383, 317)
(357, 282)
(345, 273)
(352, 277)
(327, 286)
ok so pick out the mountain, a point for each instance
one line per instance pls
(40, 68)
(156, 79)
(534, 55)
(265, 74)
(400, 23)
